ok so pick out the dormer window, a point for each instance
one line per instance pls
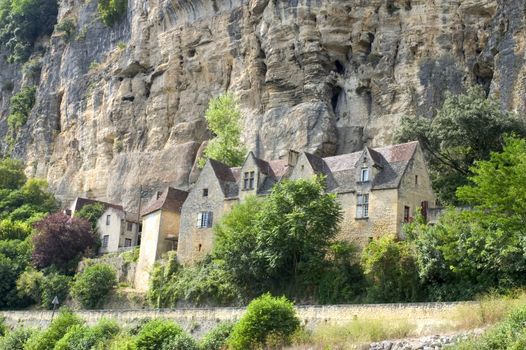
(248, 180)
(364, 175)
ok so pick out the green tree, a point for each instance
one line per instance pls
(112, 11)
(12, 175)
(265, 317)
(224, 118)
(92, 213)
(46, 340)
(14, 258)
(390, 268)
(93, 284)
(467, 128)
(29, 202)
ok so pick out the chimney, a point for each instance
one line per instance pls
(292, 158)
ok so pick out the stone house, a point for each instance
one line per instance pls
(116, 227)
(160, 231)
(379, 189)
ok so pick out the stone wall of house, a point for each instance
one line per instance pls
(412, 191)
(195, 242)
(199, 321)
(111, 228)
(149, 243)
(381, 220)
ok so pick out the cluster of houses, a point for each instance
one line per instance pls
(379, 189)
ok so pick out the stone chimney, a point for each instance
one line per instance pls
(292, 157)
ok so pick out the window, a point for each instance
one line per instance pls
(199, 247)
(302, 167)
(416, 180)
(205, 192)
(127, 242)
(407, 211)
(248, 180)
(204, 219)
(364, 175)
(129, 226)
(105, 240)
(362, 206)
(108, 217)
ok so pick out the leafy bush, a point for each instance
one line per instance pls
(216, 339)
(30, 285)
(10, 229)
(390, 268)
(112, 11)
(54, 284)
(14, 258)
(265, 316)
(3, 327)
(21, 105)
(47, 339)
(67, 26)
(12, 175)
(81, 337)
(224, 118)
(156, 333)
(16, 340)
(131, 256)
(93, 284)
(32, 68)
(180, 342)
(92, 213)
(62, 241)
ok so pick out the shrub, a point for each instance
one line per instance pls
(47, 339)
(390, 268)
(67, 26)
(217, 337)
(54, 284)
(131, 256)
(29, 285)
(16, 340)
(93, 284)
(81, 337)
(180, 342)
(265, 316)
(112, 10)
(3, 327)
(10, 229)
(156, 333)
(32, 68)
(21, 105)
(62, 241)
(92, 213)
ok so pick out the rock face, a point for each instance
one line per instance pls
(124, 106)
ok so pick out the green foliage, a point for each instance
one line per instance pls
(14, 258)
(92, 213)
(156, 333)
(29, 285)
(12, 175)
(47, 339)
(10, 229)
(54, 284)
(93, 284)
(180, 342)
(216, 339)
(32, 68)
(207, 282)
(21, 105)
(131, 256)
(450, 143)
(67, 26)
(22, 22)
(3, 327)
(509, 334)
(81, 337)
(111, 11)
(265, 316)
(16, 339)
(391, 270)
(224, 118)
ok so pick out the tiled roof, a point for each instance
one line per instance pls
(81, 202)
(280, 167)
(171, 199)
(228, 177)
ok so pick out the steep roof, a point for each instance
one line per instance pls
(171, 199)
(392, 159)
(227, 177)
(81, 202)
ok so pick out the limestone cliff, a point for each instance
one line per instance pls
(122, 106)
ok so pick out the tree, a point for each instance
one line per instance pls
(30, 201)
(93, 284)
(223, 117)
(14, 258)
(390, 268)
(62, 241)
(12, 175)
(92, 213)
(467, 128)
(282, 242)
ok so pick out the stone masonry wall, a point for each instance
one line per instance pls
(200, 320)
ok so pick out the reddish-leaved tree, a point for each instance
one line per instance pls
(62, 240)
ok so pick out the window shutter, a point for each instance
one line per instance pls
(199, 219)
(209, 223)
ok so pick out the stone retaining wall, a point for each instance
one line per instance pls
(200, 320)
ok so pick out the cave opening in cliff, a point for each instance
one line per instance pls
(339, 67)
(337, 95)
(483, 76)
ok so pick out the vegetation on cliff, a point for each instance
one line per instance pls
(467, 128)
(224, 118)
